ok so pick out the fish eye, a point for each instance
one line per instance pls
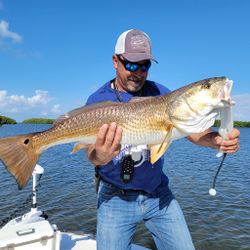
(207, 85)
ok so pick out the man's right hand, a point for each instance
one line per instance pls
(107, 144)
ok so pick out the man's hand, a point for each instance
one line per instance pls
(107, 144)
(231, 144)
(214, 140)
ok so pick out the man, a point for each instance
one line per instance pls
(131, 188)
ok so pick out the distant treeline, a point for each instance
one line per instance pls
(39, 121)
(238, 124)
(6, 120)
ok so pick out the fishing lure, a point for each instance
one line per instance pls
(226, 128)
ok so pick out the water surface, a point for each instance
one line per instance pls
(67, 192)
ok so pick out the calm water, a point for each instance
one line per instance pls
(68, 197)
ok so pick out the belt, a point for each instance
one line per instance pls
(129, 192)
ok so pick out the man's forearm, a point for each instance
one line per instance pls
(206, 139)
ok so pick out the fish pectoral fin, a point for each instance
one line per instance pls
(77, 147)
(156, 151)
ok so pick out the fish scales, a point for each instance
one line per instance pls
(133, 117)
(155, 121)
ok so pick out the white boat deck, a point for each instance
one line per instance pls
(41, 235)
(77, 242)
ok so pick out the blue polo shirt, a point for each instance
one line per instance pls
(147, 177)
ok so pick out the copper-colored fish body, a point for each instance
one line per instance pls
(155, 121)
(142, 121)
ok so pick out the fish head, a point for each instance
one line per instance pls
(209, 93)
(195, 106)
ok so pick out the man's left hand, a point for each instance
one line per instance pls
(229, 145)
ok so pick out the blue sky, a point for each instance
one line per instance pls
(54, 54)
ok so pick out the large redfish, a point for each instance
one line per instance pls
(155, 121)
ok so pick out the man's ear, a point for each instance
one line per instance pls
(115, 61)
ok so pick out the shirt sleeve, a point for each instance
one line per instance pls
(91, 100)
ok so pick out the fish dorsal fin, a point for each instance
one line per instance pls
(85, 108)
(139, 98)
(156, 151)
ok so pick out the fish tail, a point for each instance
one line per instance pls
(19, 157)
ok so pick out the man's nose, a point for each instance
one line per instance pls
(139, 72)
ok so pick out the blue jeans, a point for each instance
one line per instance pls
(119, 212)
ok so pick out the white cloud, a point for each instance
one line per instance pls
(241, 110)
(8, 101)
(9, 38)
(5, 33)
(27, 107)
(56, 109)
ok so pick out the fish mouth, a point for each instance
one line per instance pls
(225, 94)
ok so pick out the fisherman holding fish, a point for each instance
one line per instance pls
(126, 131)
(132, 187)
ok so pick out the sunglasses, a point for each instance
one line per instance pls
(133, 66)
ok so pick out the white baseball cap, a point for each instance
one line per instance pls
(134, 45)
